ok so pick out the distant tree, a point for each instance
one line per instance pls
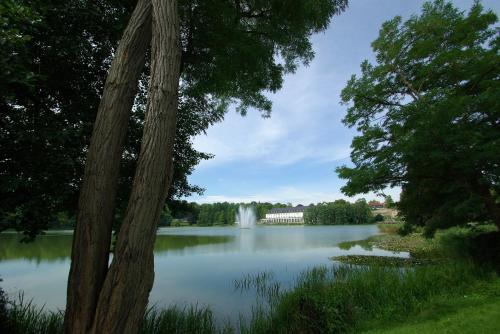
(339, 212)
(389, 202)
(205, 215)
(429, 116)
(166, 217)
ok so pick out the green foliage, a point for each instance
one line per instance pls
(166, 217)
(13, 41)
(26, 318)
(339, 212)
(62, 220)
(345, 298)
(377, 218)
(23, 317)
(217, 213)
(322, 300)
(406, 229)
(179, 320)
(389, 202)
(54, 59)
(230, 49)
(480, 244)
(51, 101)
(429, 116)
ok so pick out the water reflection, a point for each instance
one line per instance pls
(48, 248)
(57, 246)
(192, 265)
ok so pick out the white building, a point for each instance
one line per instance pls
(288, 215)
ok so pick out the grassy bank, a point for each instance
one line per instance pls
(24, 318)
(448, 279)
(354, 299)
(478, 244)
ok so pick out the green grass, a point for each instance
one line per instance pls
(189, 319)
(376, 293)
(389, 261)
(25, 318)
(475, 313)
(350, 298)
(389, 227)
(451, 244)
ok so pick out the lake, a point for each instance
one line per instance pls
(193, 265)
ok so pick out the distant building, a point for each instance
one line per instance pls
(376, 204)
(288, 215)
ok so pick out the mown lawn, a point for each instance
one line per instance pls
(470, 314)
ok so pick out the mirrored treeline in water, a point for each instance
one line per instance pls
(193, 265)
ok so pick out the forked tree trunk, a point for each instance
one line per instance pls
(124, 295)
(91, 241)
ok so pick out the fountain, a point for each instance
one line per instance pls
(245, 217)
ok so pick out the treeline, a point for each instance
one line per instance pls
(213, 214)
(340, 212)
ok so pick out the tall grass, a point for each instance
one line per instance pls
(23, 317)
(340, 299)
(190, 319)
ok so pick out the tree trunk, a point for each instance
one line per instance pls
(91, 241)
(124, 295)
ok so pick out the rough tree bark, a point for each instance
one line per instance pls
(91, 241)
(124, 295)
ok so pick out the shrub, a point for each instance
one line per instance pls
(406, 229)
(479, 244)
(377, 218)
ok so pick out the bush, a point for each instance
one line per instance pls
(479, 244)
(377, 218)
(485, 249)
(406, 229)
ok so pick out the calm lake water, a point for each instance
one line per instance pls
(193, 265)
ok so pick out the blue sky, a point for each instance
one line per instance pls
(292, 156)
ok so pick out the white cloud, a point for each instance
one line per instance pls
(292, 195)
(304, 126)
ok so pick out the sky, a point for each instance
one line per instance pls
(291, 157)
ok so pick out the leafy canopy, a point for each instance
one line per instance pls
(54, 58)
(428, 114)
